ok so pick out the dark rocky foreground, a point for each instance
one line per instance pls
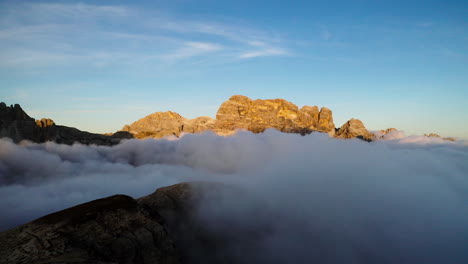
(158, 228)
(207, 223)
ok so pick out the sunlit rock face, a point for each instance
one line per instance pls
(354, 128)
(157, 125)
(163, 124)
(241, 112)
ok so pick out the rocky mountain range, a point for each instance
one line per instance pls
(241, 112)
(237, 113)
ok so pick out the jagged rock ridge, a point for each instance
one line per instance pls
(17, 125)
(239, 112)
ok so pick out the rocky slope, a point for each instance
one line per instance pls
(17, 125)
(158, 228)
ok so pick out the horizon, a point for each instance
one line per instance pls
(299, 107)
(100, 65)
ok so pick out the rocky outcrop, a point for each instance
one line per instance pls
(45, 122)
(354, 128)
(163, 124)
(157, 125)
(115, 229)
(241, 112)
(387, 131)
(387, 134)
(162, 227)
(17, 125)
(199, 124)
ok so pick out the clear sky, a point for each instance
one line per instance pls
(97, 65)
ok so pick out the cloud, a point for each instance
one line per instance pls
(320, 199)
(43, 36)
(192, 49)
(263, 53)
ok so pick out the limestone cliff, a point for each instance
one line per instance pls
(241, 112)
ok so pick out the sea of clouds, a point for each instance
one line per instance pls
(399, 200)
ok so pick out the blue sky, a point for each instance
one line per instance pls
(98, 65)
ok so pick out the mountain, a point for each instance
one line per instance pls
(162, 124)
(239, 112)
(17, 125)
(159, 228)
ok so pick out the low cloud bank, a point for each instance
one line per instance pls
(323, 199)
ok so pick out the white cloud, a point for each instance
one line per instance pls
(263, 53)
(348, 201)
(41, 36)
(191, 49)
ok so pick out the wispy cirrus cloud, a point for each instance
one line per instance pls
(191, 49)
(263, 53)
(38, 35)
(262, 49)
